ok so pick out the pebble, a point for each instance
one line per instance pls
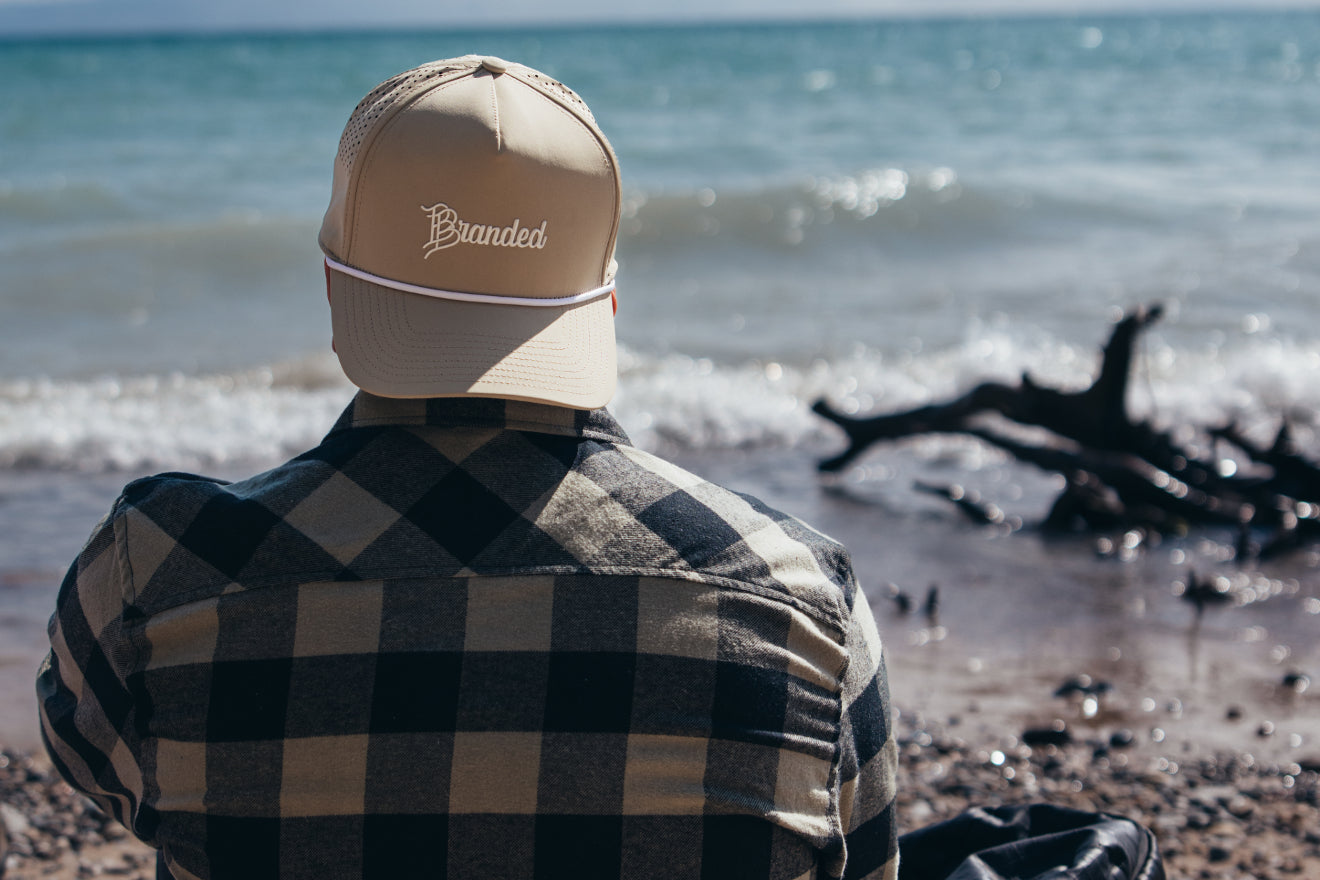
(1214, 816)
(45, 820)
(1121, 739)
(1047, 736)
(1297, 682)
(1082, 686)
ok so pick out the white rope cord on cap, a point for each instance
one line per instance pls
(471, 297)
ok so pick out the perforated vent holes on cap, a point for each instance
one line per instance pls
(559, 90)
(379, 101)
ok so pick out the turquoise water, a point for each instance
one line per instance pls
(874, 211)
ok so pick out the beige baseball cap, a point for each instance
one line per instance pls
(469, 241)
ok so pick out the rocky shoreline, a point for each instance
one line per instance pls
(1225, 816)
(51, 831)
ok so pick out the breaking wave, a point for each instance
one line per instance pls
(665, 402)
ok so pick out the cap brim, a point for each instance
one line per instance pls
(396, 344)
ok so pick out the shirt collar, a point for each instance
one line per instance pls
(368, 410)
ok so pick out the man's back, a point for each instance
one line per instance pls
(474, 638)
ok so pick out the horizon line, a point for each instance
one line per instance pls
(956, 12)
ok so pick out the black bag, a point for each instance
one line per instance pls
(1032, 842)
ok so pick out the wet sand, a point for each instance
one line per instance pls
(1021, 614)
(1204, 726)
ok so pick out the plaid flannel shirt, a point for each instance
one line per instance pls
(473, 639)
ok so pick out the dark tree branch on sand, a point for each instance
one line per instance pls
(1096, 416)
(1118, 471)
(1146, 494)
(1293, 476)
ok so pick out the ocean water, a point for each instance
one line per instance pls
(880, 213)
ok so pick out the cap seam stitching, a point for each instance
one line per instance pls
(370, 151)
(495, 111)
(601, 142)
(596, 138)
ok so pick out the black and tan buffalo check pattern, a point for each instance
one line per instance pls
(473, 639)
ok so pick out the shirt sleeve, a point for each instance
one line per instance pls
(85, 705)
(869, 756)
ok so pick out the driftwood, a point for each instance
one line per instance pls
(1119, 472)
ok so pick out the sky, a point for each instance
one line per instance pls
(33, 17)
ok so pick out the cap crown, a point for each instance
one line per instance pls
(475, 175)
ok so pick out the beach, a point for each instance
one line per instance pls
(1048, 673)
(880, 214)
(1020, 612)
(1226, 815)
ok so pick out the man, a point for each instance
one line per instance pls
(475, 633)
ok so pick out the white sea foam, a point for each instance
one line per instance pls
(171, 421)
(258, 416)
